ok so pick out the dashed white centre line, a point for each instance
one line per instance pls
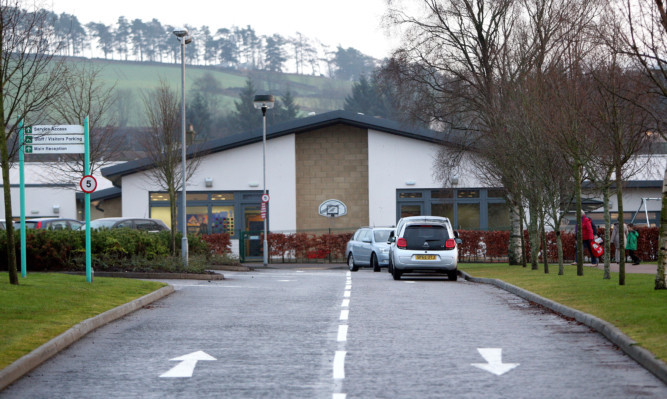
(339, 365)
(342, 333)
(344, 314)
(346, 294)
(345, 304)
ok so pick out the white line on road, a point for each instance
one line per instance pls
(346, 294)
(339, 396)
(344, 314)
(345, 304)
(339, 365)
(342, 333)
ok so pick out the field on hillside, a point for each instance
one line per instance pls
(312, 93)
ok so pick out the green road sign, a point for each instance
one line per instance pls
(28, 149)
(28, 139)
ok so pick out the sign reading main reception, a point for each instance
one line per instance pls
(54, 139)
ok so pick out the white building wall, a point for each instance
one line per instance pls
(397, 162)
(238, 169)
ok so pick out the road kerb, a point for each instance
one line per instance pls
(38, 356)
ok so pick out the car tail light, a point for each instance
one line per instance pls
(39, 225)
(450, 244)
(401, 243)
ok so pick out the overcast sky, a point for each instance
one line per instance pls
(349, 23)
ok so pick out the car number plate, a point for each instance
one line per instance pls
(425, 257)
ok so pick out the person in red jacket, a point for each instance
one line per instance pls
(587, 236)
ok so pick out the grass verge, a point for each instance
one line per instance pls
(44, 305)
(635, 308)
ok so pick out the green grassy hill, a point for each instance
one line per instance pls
(312, 93)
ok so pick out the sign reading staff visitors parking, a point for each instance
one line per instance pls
(88, 184)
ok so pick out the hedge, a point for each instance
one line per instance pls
(477, 246)
(57, 250)
(492, 246)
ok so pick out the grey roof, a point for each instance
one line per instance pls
(114, 173)
(107, 193)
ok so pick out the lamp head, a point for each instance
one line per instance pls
(263, 101)
(180, 32)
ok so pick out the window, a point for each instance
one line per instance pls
(445, 210)
(469, 208)
(211, 212)
(468, 216)
(222, 219)
(410, 210)
(223, 197)
(497, 193)
(197, 197)
(444, 193)
(468, 193)
(499, 217)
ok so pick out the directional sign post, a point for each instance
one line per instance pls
(54, 139)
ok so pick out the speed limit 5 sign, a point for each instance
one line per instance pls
(88, 184)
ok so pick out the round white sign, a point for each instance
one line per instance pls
(265, 197)
(88, 184)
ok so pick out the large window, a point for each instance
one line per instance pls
(209, 212)
(468, 209)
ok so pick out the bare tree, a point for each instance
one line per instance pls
(29, 81)
(85, 95)
(644, 38)
(162, 144)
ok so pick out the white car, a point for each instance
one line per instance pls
(424, 244)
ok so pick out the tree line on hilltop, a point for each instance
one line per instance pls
(235, 47)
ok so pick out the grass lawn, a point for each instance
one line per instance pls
(635, 308)
(45, 305)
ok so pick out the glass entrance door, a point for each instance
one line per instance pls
(254, 226)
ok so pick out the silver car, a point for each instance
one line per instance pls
(424, 244)
(368, 247)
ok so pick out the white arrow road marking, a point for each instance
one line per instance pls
(494, 359)
(187, 365)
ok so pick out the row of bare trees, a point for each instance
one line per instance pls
(548, 94)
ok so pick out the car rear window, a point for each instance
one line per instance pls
(425, 237)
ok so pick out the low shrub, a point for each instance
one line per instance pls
(112, 250)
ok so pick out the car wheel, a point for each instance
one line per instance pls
(453, 275)
(374, 262)
(350, 263)
(390, 267)
(395, 274)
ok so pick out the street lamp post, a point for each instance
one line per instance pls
(264, 102)
(182, 36)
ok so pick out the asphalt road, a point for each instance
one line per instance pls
(335, 334)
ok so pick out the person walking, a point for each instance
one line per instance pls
(615, 236)
(587, 237)
(631, 246)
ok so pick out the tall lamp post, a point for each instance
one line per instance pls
(264, 102)
(184, 38)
